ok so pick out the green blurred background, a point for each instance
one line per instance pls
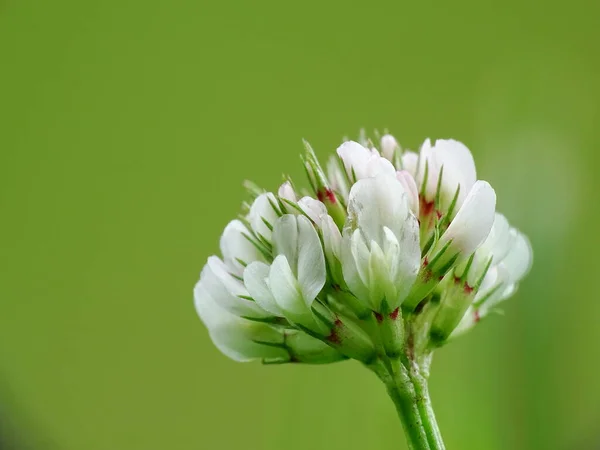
(126, 129)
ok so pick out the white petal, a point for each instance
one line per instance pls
(313, 209)
(472, 224)
(378, 165)
(332, 238)
(260, 211)
(375, 203)
(337, 178)
(255, 280)
(410, 161)
(285, 288)
(410, 187)
(389, 145)
(459, 169)
(355, 157)
(428, 165)
(379, 279)
(233, 336)
(287, 191)
(355, 262)
(285, 239)
(468, 321)
(226, 289)
(405, 269)
(235, 247)
(499, 241)
(210, 312)
(519, 259)
(311, 261)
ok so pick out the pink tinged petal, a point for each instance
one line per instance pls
(474, 220)
(255, 280)
(286, 191)
(313, 209)
(233, 336)
(389, 145)
(410, 187)
(226, 290)
(260, 211)
(235, 247)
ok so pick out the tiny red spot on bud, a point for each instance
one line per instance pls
(378, 316)
(426, 207)
(394, 313)
(333, 337)
(330, 196)
(468, 289)
(427, 276)
(476, 316)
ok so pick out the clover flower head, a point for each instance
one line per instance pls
(391, 253)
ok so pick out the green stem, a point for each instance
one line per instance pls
(408, 390)
(434, 437)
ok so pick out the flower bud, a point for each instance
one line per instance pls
(456, 298)
(350, 339)
(391, 330)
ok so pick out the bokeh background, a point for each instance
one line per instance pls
(126, 130)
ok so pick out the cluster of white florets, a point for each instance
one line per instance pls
(389, 248)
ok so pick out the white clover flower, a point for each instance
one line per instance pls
(380, 251)
(290, 285)
(391, 255)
